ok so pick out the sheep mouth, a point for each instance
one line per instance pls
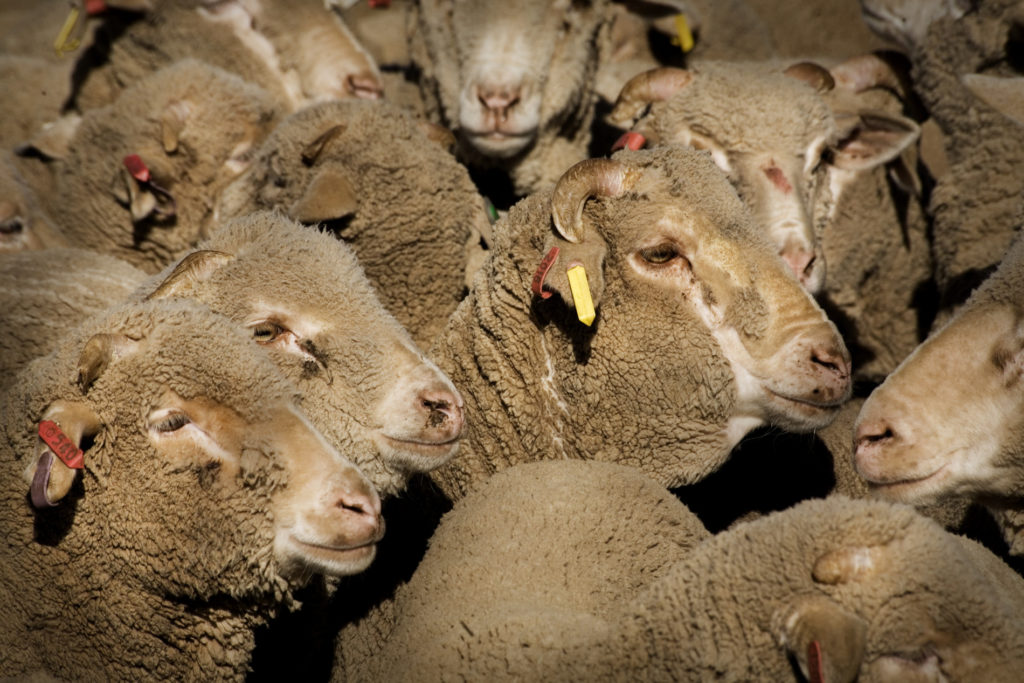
(808, 403)
(342, 559)
(900, 489)
(419, 447)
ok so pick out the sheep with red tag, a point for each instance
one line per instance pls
(831, 590)
(810, 151)
(700, 334)
(162, 498)
(138, 179)
(387, 185)
(300, 52)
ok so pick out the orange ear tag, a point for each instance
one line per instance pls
(65, 449)
(630, 140)
(580, 288)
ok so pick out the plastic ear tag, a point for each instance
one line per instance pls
(539, 275)
(684, 38)
(492, 211)
(382, 4)
(137, 167)
(64, 448)
(630, 140)
(815, 667)
(580, 289)
(66, 42)
(93, 7)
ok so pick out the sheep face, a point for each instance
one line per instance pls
(519, 69)
(22, 225)
(950, 420)
(180, 457)
(362, 379)
(774, 135)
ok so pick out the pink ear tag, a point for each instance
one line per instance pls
(137, 167)
(94, 7)
(380, 4)
(815, 666)
(537, 286)
(630, 140)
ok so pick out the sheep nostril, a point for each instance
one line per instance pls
(831, 360)
(876, 432)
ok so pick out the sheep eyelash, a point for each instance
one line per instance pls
(171, 421)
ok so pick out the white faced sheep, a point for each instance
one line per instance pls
(830, 590)
(976, 204)
(139, 178)
(364, 383)
(515, 81)
(299, 51)
(567, 536)
(204, 499)
(950, 421)
(358, 168)
(702, 334)
(807, 150)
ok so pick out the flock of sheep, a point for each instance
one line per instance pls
(518, 278)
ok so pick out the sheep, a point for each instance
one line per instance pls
(570, 535)
(702, 333)
(23, 225)
(205, 500)
(515, 81)
(976, 205)
(948, 422)
(139, 178)
(810, 159)
(299, 52)
(36, 90)
(360, 168)
(829, 590)
(364, 383)
(47, 293)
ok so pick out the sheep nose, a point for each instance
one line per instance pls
(441, 409)
(364, 86)
(7, 210)
(359, 506)
(873, 433)
(801, 261)
(498, 99)
(832, 363)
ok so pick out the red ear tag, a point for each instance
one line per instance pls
(61, 445)
(94, 7)
(630, 140)
(137, 167)
(815, 667)
(382, 4)
(537, 286)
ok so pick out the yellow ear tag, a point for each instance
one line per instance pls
(580, 289)
(64, 42)
(684, 39)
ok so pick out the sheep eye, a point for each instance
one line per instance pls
(659, 255)
(266, 332)
(172, 422)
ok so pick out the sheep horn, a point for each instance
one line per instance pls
(650, 86)
(589, 178)
(847, 564)
(195, 267)
(814, 75)
(312, 151)
(99, 351)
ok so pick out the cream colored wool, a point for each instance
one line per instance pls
(886, 593)
(405, 206)
(192, 125)
(149, 569)
(23, 224)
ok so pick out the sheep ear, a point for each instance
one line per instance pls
(48, 477)
(98, 353)
(553, 277)
(875, 138)
(191, 270)
(172, 123)
(827, 642)
(1005, 95)
(142, 199)
(328, 197)
(53, 140)
(312, 151)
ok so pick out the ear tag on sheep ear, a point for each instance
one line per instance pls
(684, 38)
(815, 666)
(630, 140)
(492, 211)
(539, 275)
(165, 206)
(64, 448)
(580, 288)
(380, 4)
(40, 480)
(65, 42)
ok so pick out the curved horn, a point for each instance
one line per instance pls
(650, 86)
(99, 351)
(814, 75)
(194, 268)
(312, 151)
(589, 178)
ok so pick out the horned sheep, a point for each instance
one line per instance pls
(701, 334)
(138, 179)
(373, 175)
(949, 422)
(834, 590)
(204, 500)
(808, 149)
